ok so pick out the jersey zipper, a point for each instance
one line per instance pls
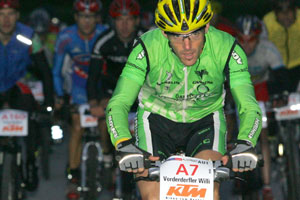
(185, 93)
(87, 45)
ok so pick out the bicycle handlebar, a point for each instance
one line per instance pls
(221, 172)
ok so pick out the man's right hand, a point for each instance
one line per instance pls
(131, 158)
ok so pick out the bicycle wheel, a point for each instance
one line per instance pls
(11, 179)
(92, 174)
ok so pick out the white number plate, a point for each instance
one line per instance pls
(13, 122)
(86, 120)
(186, 178)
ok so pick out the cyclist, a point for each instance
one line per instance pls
(283, 25)
(178, 72)
(40, 22)
(18, 51)
(76, 42)
(263, 56)
(109, 56)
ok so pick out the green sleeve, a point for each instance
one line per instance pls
(243, 94)
(125, 94)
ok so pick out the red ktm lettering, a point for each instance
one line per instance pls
(186, 191)
(12, 128)
(90, 119)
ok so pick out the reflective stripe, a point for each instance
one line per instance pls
(217, 125)
(147, 132)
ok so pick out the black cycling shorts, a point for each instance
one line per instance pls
(163, 137)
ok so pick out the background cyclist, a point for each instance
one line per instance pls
(268, 75)
(283, 25)
(178, 72)
(18, 51)
(109, 56)
(76, 42)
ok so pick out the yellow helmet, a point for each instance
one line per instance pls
(182, 16)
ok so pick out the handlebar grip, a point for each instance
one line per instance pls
(147, 163)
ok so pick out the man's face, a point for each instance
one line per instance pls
(248, 42)
(188, 47)
(126, 26)
(86, 22)
(286, 17)
(8, 20)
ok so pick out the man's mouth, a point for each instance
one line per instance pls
(188, 56)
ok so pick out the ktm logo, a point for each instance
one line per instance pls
(90, 119)
(181, 190)
(12, 128)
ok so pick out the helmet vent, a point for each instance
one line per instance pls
(184, 26)
(196, 9)
(176, 9)
(207, 17)
(169, 13)
(165, 20)
(187, 5)
(202, 13)
(161, 24)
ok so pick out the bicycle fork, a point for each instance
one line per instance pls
(85, 157)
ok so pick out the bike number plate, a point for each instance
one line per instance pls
(13, 122)
(287, 113)
(87, 120)
(37, 90)
(186, 178)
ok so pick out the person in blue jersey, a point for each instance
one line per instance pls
(76, 43)
(19, 53)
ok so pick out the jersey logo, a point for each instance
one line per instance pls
(76, 50)
(169, 76)
(201, 73)
(141, 55)
(237, 58)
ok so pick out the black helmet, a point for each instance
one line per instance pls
(39, 20)
(283, 5)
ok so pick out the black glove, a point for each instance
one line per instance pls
(243, 156)
(130, 157)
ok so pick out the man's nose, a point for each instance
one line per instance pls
(187, 43)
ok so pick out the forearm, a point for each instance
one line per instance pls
(249, 113)
(118, 108)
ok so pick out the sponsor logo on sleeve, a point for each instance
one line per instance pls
(237, 58)
(254, 129)
(141, 55)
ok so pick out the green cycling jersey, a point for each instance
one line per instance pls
(181, 93)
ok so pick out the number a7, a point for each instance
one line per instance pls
(182, 169)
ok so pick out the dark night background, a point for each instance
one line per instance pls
(63, 8)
